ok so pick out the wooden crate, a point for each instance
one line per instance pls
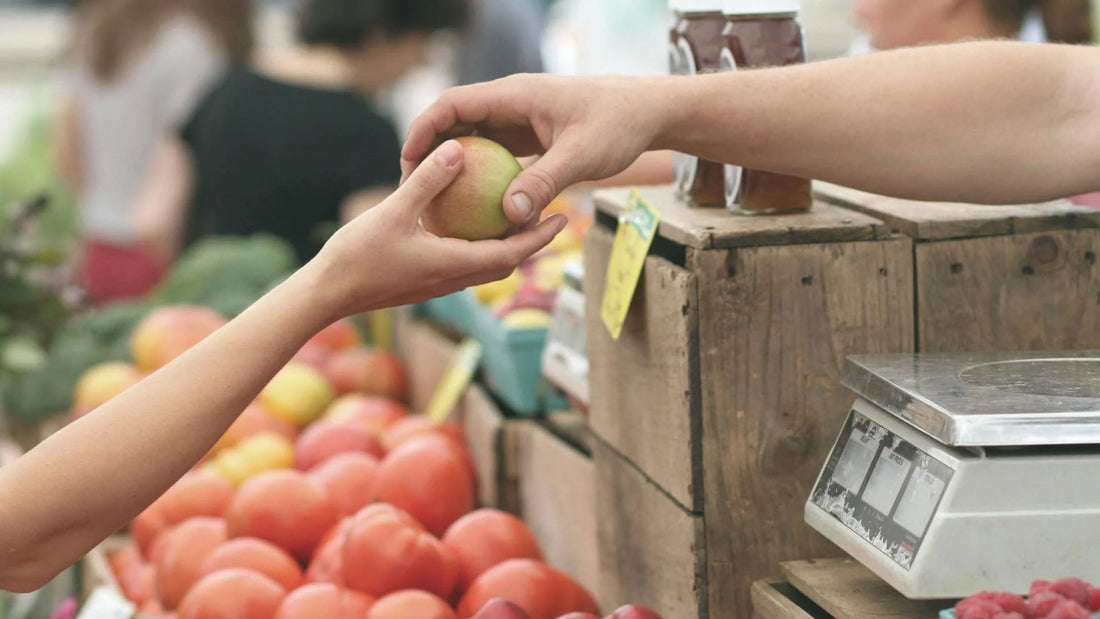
(556, 495)
(996, 277)
(721, 399)
(835, 589)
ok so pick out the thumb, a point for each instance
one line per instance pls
(432, 176)
(540, 183)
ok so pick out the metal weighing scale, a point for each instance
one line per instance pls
(565, 358)
(958, 473)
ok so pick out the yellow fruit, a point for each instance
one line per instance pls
(233, 465)
(492, 291)
(298, 394)
(254, 455)
(528, 319)
(101, 383)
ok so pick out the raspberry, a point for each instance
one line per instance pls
(1068, 609)
(1041, 603)
(1038, 586)
(976, 608)
(1009, 616)
(1094, 598)
(1009, 602)
(1072, 589)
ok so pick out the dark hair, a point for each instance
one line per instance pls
(1066, 21)
(347, 24)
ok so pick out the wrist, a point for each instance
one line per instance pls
(316, 295)
(677, 108)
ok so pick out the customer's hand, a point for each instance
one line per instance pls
(384, 257)
(585, 128)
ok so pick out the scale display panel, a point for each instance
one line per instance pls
(882, 488)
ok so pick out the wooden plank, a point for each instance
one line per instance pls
(557, 499)
(644, 386)
(572, 427)
(948, 220)
(651, 549)
(707, 228)
(773, 599)
(1036, 291)
(484, 427)
(427, 354)
(847, 590)
(776, 324)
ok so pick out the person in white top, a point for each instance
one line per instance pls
(138, 69)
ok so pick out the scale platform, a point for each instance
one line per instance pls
(957, 473)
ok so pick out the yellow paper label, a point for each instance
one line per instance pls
(454, 381)
(381, 323)
(637, 229)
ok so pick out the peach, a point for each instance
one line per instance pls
(375, 413)
(367, 370)
(166, 333)
(298, 394)
(472, 206)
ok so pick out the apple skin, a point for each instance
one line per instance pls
(472, 206)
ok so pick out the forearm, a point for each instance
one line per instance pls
(111, 464)
(978, 122)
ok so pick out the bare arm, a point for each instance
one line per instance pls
(162, 204)
(89, 479)
(67, 145)
(978, 122)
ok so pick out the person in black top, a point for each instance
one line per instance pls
(290, 144)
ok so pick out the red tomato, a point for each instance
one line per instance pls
(386, 550)
(415, 425)
(198, 493)
(179, 561)
(429, 481)
(482, 539)
(324, 601)
(232, 594)
(540, 590)
(325, 439)
(146, 527)
(340, 335)
(375, 413)
(256, 555)
(282, 507)
(409, 604)
(349, 480)
(327, 564)
(368, 370)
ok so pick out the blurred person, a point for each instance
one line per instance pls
(138, 67)
(503, 37)
(292, 144)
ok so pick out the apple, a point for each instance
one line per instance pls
(472, 206)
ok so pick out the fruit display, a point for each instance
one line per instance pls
(1065, 598)
(314, 505)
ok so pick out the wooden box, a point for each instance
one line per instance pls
(556, 494)
(996, 277)
(718, 404)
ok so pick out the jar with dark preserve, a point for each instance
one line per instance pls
(763, 33)
(695, 46)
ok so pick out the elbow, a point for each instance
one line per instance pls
(25, 579)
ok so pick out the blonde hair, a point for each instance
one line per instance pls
(111, 33)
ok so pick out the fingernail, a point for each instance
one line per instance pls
(521, 205)
(449, 153)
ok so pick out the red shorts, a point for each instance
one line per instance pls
(111, 272)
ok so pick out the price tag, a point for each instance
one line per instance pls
(455, 381)
(106, 604)
(637, 229)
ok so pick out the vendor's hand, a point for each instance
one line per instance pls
(588, 128)
(385, 258)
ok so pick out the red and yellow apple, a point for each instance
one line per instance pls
(472, 206)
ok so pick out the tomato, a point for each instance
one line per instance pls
(386, 550)
(282, 507)
(179, 560)
(324, 601)
(254, 420)
(542, 591)
(482, 539)
(198, 493)
(415, 425)
(500, 608)
(325, 439)
(340, 335)
(429, 481)
(232, 594)
(409, 604)
(327, 564)
(374, 413)
(256, 555)
(368, 370)
(147, 527)
(349, 480)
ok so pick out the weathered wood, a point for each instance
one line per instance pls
(1038, 291)
(644, 386)
(557, 500)
(707, 228)
(847, 590)
(651, 549)
(776, 599)
(775, 325)
(926, 221)
(427, 353)
(486, 432)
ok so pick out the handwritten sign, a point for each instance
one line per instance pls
(637, 228)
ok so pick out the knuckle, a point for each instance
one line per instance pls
(541, 182)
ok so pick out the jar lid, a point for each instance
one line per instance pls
(761, 7)
(696, 6)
